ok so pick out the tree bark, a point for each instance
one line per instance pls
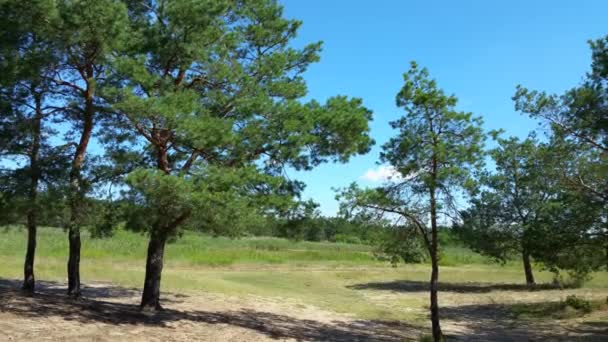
(150, 299)
(76, 194)
(74, 261)
(29, 280)
(528, 268)
(436, 327)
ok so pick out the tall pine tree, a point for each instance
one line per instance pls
(28, 58)
(435, 151)
(87, 34)
(214, 90)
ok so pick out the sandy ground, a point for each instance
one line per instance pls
(110, 313)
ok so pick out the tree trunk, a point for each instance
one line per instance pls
(150, 299)
(74, 262)
(606, 257)
(437, 334)
(528, 268)
(29, 282)
(76, 192)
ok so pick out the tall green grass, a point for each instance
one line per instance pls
(192, 248)
(198, 249)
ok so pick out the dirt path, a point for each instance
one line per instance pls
(110, 313)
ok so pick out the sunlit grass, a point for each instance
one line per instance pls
(192, 248)
(319, 274)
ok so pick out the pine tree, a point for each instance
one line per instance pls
(87, 34)
(435, 152)
(214, 91)
(504, 219)
(29, 57)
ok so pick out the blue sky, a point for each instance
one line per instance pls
(477, 50)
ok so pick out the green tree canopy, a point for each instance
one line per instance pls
(213, 89)
(579, 124)
(28, 57)
(503, 218)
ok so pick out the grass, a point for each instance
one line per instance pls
(571, 307)
(321, 274)
(192, 248)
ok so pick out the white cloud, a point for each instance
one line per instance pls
(382, 174)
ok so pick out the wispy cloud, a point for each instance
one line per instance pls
(381, 174)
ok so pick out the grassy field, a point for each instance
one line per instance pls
(341, 278)
(196, 249)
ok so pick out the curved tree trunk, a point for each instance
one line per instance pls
(29, 282)
(150, 299)
(76, 194)
(528, 268)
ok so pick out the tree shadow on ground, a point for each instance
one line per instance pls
(423, 286)
(55, 288)
(117, 307)
(594, 327)
(497, 322)
(48, 303)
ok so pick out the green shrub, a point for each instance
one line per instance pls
(578, 303)
(425, 338)
(571, 307)
(574, 279)
(344, 238)
(401, 245)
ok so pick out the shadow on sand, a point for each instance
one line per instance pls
(51, 301)
(110, 305)
(423, 286)
(495, 322)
